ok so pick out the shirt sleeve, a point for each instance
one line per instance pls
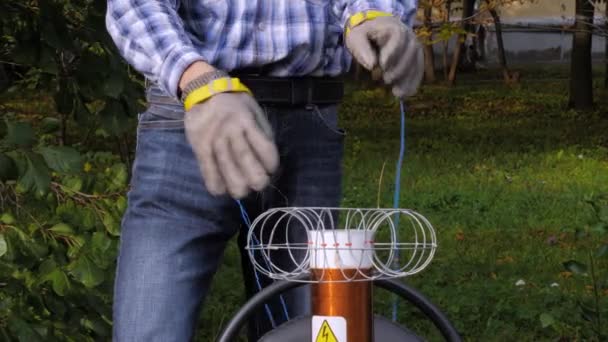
(403, 9)
(150, 35)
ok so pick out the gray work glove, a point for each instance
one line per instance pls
(389, 44)
(232, 140)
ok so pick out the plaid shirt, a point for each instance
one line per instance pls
(161, 38)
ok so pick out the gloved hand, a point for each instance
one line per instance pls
(389, 44)
(232, 140)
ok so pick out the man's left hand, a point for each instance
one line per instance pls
(389, 44)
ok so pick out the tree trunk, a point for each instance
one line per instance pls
(481, 42)
(455, 59)
(502, 59)
(446, 65)
(606, 47)
(581, 81)
(429, 55)
(468, 9)
(457, 55)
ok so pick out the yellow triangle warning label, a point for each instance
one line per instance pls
(326, 334)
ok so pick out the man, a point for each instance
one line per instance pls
(242, 101)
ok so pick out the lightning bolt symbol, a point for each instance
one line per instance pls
(325, 333)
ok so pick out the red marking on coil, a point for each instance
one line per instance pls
(336, 244)
(323, 245)
(348, 244)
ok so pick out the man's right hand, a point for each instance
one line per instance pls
(233, 143)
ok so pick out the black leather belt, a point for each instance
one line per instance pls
(295, 91)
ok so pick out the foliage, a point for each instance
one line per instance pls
(59, 219)
(62, 48)
(60, 201)
(445, 26)
(594, 271)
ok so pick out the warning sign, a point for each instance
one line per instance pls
(328, 329)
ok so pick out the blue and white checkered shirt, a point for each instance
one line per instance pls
(161, 38)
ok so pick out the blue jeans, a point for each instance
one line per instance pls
(174, 232)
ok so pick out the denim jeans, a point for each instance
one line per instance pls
(174, 232)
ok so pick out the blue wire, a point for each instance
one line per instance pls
(396, 197)
(397, 193)
(247, 221)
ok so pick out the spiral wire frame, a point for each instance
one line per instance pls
(361, 244)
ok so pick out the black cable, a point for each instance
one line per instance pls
(433, 313)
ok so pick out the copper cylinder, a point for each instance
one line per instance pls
(351, 300)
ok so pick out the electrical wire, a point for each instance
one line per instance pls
(396, 197)
(397, 193)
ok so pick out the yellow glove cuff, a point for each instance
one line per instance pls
(220, 85)
(361, 17)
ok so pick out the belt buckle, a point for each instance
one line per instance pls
(301, 92)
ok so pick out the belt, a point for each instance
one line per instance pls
(294, 91)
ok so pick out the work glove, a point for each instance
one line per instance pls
(233, 143)
(388, 44)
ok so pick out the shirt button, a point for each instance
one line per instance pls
(261, 26)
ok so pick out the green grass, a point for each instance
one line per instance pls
(498, 171)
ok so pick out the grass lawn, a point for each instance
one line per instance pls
(504, 175)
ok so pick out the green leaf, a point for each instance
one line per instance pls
(119, 177)
(38, 249)
(546, 320)
(49, 271)
(3, 245)
(114, 118)
(74, 249)
(114, 85)
(111, 224)
(575, 267)
(602, 251)
(600, 227)
(603, 213)
(85, 271)
(50, 125)
(62, 229)
(19, 134)
(58, 307)
(46, 267)
(37, 176)
(100, 241)
(121, 204)
(97, 325)
(100, 250)
(59, 281)
(8, 168)
(23, 330)
(89, 219)
(62, 158)
(73, 183)
(7, 218)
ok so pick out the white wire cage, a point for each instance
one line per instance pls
(340, 244)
